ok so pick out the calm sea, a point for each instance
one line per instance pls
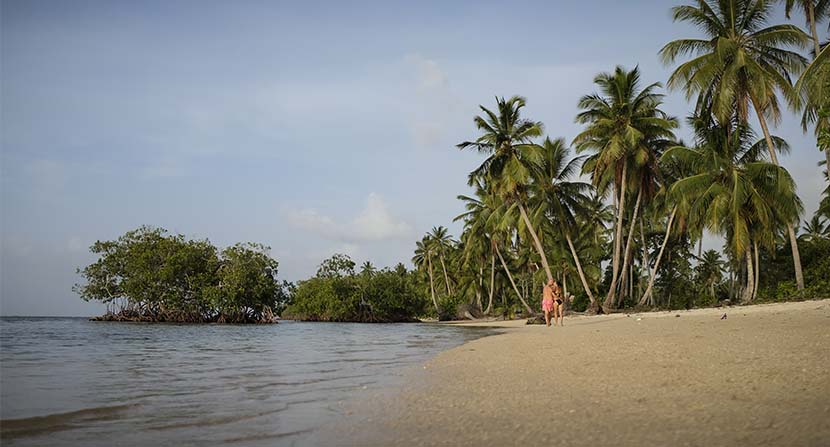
(69, 381)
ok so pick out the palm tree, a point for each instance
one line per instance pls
(442, 243)
(815, 11)
(367, 269)
(710, 270)
(561, 199)
(732, 190)
(487, 214)
(507, 141)
(816, 229)
(739, 62)
(423, 260)
(622, 122)
(813, 89)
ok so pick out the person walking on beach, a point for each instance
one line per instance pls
(547, 301)
(558, 303)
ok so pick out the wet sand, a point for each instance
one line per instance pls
(759, 377)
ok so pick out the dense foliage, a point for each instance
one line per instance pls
(150, 275)
(337, 293)
(632, 233)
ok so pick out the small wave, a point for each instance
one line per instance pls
(266, 436)
(42, 425)
(207, 422)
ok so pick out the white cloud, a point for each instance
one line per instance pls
(429, 74)
(374, 223)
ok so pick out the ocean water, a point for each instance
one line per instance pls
(73, 382)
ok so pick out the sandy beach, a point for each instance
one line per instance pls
(687, 378)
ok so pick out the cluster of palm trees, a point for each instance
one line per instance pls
(532, 216)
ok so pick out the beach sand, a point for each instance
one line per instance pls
(687, 378)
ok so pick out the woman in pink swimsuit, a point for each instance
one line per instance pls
(547, 300)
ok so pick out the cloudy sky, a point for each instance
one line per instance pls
(313, 127)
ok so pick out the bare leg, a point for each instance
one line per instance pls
(547, 317)
(561, 309)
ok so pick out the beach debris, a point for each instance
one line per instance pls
(677, 315)
(723, 317)
(639, 319)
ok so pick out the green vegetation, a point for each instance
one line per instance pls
(149, 275)
(337, 293)
(529, 219)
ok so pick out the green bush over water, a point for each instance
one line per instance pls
(150, 275)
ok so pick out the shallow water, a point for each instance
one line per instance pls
(69, 381)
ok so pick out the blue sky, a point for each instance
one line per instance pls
(312, 127)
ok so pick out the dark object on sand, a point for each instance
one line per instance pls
(723, 317)
(537, 319)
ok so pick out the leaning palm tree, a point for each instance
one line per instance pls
(740, 62)
(507, 140)
(621, 122)
(560, 199)
(486, 214)
(733, 190)
(423, 261)
(442, 243)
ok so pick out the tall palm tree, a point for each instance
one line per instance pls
(507, 140)
(423, 261)
(442, 243)
(732, 190)
(621, 122)
(560, 199)
(741, 61)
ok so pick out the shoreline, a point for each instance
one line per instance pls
(651, 378)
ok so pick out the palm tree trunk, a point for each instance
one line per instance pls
(811, 17)
(480, 286)
(627, 256)
(757, 271)
(536, 241)
(594, 305)
(510, 277)
(432, 282)
(799, 275)
(647, 295)
(446, 278)
(750, 277)
(492, 285)
(615, 263)
(645, 245)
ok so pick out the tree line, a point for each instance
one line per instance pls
(530, 219)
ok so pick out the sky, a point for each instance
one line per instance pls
(312, 127)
